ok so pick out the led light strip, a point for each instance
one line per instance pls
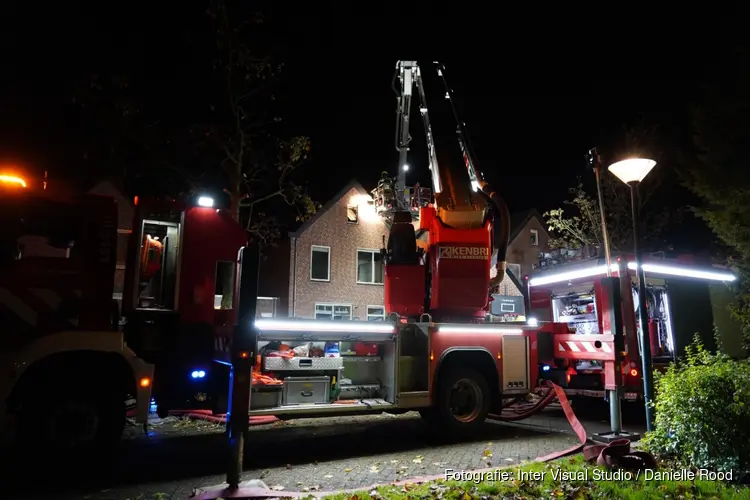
(647, 268)
(272, 325)
(479, 329)
(684, 272)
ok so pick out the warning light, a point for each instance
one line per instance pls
(12, 179)
(145, 382)
(244, 355)
(432, 356)
(545, 368)
(633, 372)
(135, 200)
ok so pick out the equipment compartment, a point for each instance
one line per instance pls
(306, 390)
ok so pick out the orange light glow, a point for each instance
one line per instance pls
(145, 382)
(244, 355)
(633, 372)
(135, 200)
(12, 179)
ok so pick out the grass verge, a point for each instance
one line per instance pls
(570, 479)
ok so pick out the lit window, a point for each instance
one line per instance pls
(320, 263)
(369, 267)
(352, 214)
(534, 238)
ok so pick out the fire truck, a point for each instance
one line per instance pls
(66, 370)
(436, 352)
(679, 305)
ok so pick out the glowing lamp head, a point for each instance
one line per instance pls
(205, 201)
(632, 170)
(533, 321)
(196, 374)
(12, 181)
(406, 167)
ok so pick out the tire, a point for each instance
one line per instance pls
(78, 422)
(463, 401)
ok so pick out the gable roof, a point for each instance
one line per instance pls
(518, 221)
(353, 184)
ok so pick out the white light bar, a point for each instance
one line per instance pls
(571, 275)
(205, 201)
(479, 329)
(684, 272)
(274, 325)
(647, 268)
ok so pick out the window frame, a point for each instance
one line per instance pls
(333, 307)
(372, 252)
(327, 249)
(534, 237)
(356, 214)
(508, 266)
(368, 315)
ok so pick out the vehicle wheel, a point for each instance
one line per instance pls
(72, 422)
(463, 400)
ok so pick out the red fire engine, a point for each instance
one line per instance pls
(62, 356)
(436, 352)
(679, 306)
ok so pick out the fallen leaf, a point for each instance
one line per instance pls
(489, 444)
(374, 469)
(404, 467)
(328, 476)
(487, 453)
(278, 487)
(394, 461)
(347, 470)
(418, 459)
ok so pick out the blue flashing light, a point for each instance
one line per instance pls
(201, 374)
(197, 374)
(545, 368)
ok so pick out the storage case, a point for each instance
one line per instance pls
(302, 364)
(306, 390)
(262, 397)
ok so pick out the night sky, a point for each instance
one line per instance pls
(538, 87)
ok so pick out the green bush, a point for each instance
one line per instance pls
(702, 412)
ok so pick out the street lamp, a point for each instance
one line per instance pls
(632, 171)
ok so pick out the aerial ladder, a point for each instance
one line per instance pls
(460, 237)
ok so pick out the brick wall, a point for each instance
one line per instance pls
(331, 229)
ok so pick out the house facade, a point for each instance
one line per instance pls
(335, 271)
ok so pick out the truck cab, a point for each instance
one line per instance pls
(179, 305)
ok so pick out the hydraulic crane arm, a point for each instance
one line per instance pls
(463, 198)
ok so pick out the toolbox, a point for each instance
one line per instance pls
(306, 390)
(263, 397)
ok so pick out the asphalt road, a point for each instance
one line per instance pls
(311, 454)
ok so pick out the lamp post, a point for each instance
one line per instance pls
(632, 171)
